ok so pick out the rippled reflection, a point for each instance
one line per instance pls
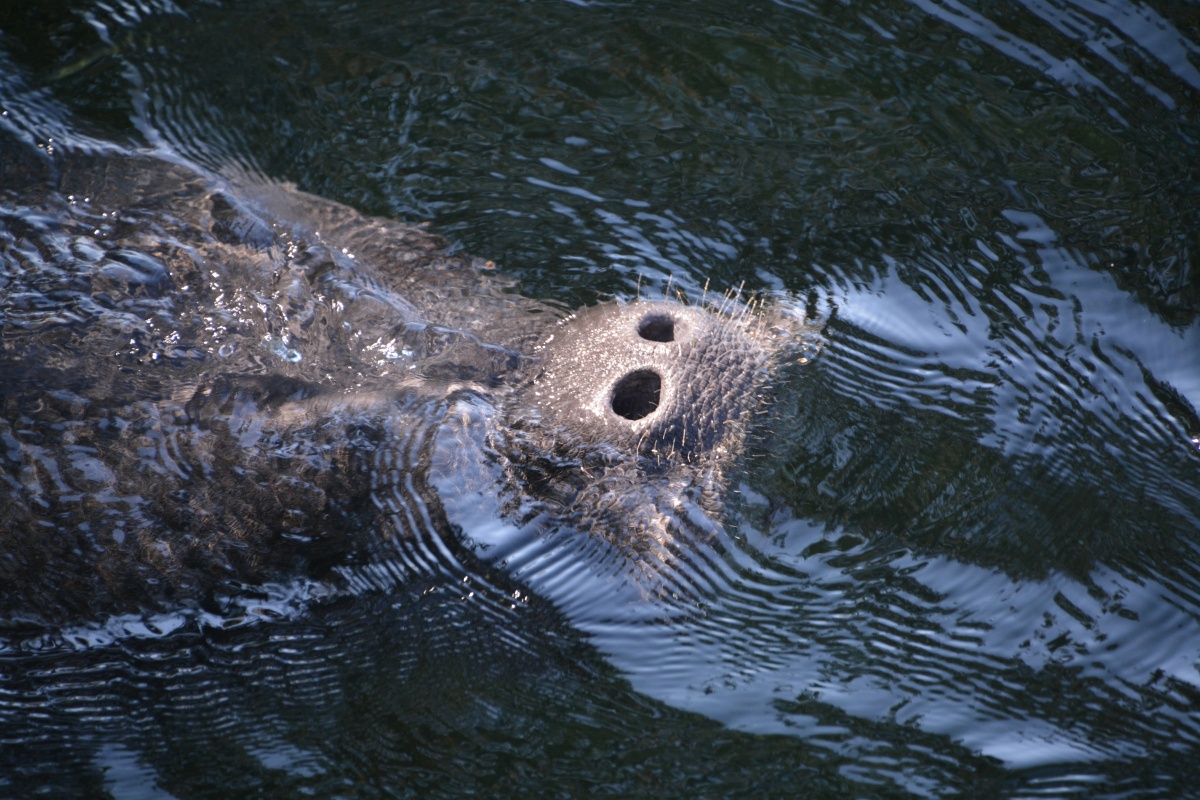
(961, 554)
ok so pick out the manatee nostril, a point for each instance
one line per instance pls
(657, 328)
(636, 395)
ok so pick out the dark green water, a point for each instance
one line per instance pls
(962, 553)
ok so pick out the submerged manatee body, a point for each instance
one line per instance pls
(208, 388)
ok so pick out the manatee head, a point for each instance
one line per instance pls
(660, 380)
(637, 412)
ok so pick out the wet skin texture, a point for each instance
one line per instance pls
(213, 383)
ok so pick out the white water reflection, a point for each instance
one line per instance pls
(1103, 342)
(1110, 30)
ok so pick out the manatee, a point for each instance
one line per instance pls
(216, 382)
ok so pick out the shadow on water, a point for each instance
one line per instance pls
(961, 552)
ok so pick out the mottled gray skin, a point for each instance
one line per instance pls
(210, 385)
(660, 379)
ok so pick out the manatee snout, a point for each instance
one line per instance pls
(656, 377)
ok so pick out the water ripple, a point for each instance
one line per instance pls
(965, 536)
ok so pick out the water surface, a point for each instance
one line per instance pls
(960, 555)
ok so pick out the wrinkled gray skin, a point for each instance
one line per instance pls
(205, 389)
(656, 378)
